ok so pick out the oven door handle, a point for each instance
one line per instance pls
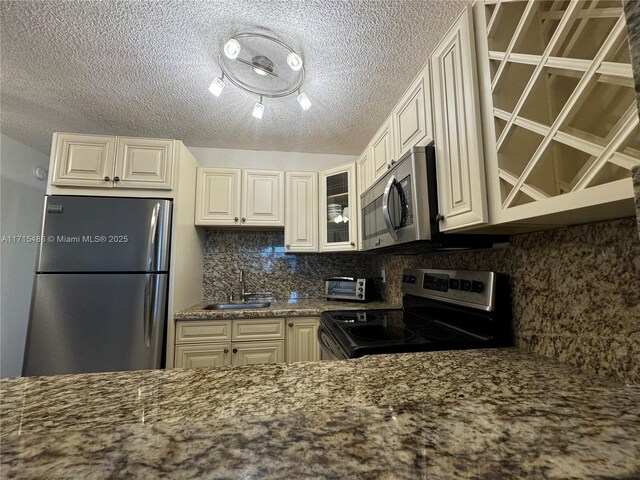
(393, 182)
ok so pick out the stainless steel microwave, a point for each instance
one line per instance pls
(399, 211)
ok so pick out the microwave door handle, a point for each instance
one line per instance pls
(393, 181)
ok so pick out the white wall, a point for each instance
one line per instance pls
(20, 214)
(223, 157)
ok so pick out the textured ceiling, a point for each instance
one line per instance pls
(143, 68)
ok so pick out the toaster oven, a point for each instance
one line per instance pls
(349, 288)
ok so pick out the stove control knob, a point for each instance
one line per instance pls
(359, 295)
(360, 289)
(465, 285)
(454, 284)
(477, 286)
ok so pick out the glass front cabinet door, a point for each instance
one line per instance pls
(338, 209)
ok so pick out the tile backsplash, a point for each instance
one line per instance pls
(575, 290)
(268, 268)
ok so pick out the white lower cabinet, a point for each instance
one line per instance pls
(302, 340)
(203, 355)
(216, 343)
(255, 353)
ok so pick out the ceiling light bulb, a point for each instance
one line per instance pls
(304, 101)
(258, 110)
(216, 86)
(294, 61)
(232, 49)
(260, 72)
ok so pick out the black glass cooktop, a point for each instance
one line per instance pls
(390, 331)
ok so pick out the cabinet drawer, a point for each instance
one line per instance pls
(203, 331)
(272, 328)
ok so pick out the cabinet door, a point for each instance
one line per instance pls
(381, 149)
(145, 163)
(365, 180)
(203, 355)
(262, 197)
(83, 160)
(255, 353)
(412, 116)
(458, 142)
(218, 196)
(339, 209)
(365, 172)
(302, 340)
(301, 212)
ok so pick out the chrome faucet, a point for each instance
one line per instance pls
(244, 295)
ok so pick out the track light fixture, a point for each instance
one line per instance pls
(278, 75)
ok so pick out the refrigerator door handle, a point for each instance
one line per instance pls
(151, 304)
(151, 242)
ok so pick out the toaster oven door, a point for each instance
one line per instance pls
(343, 288)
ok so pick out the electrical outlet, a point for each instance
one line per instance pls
(383, 275)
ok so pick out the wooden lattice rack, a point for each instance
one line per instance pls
(564, 105)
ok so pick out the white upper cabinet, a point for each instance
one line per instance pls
(339, 209)
(218, 196)
(412, 124)
(262, 198)
(365, 180)
(96, 161)
(83, 160)
(301, 212)
(144, 163)
(231, 196)
(381, 151)
(365, 172)
(458, 142)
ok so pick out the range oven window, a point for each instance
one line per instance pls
(400, 210)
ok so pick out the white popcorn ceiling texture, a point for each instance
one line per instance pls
(142, 68)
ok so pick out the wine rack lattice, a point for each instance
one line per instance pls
(564, 104)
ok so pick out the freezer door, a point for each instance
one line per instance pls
(104, 234)
(83, 323)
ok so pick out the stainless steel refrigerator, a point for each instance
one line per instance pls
(99, 300)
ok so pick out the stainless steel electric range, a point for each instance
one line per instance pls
(441, 310)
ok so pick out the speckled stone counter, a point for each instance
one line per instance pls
(312, 307)
(636, 191)
(470, 414)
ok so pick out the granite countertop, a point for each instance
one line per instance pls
(310, 307)
(499, 413)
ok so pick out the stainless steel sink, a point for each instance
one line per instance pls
(236, 306)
